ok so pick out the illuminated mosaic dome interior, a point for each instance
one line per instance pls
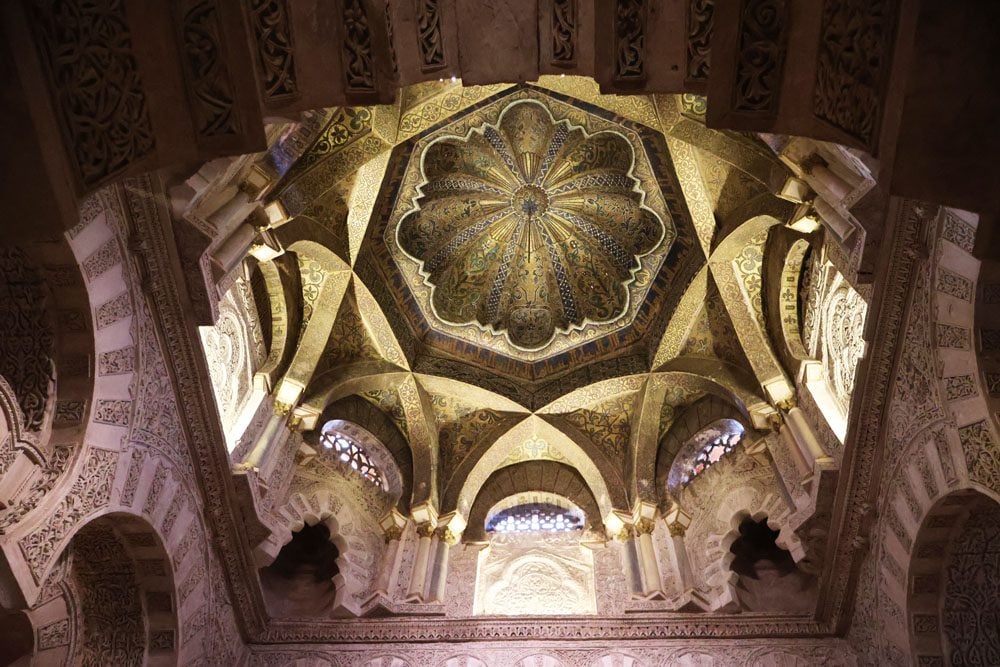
(522, 228)
(530, 227)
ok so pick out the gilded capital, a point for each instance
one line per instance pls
(626, 533)
(393, 533)
(444, 534)
(775, 420)
(281, 409)
(677, 529)
(425, 529)
(645, 526)
(787, 404)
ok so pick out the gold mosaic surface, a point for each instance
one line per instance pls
(528, 221)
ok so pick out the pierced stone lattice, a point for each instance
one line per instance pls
(712, 453)
(535, 517)
(354, 455)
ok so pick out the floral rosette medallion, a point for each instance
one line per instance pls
(529, 227)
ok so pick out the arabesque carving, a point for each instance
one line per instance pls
(852, 65)
(105, 119)
(761, 55)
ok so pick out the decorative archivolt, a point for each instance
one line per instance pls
(521, 577)
(355, 535)
(234, 349)
(736, 265)
(462, 493)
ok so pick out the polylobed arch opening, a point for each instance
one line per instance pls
(768, 578)
(301, 581)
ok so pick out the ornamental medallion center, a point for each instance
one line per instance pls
(531, 201)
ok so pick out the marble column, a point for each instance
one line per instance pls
(439, 578)
(388, 566)
(418, 578)
(647, 557)
(792, 445)
(678, 555)
(268, 440)
(818, 169)
(231, 252)
(629, 560)
(804, 435)
(761, 453)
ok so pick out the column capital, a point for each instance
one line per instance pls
(787, 404)
(775, 420)
(625, 533)
(445, 534)
(645, 526)
(677, 521)
(425, 529)
(393, 533)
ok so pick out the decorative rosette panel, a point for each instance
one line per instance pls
(529, 227)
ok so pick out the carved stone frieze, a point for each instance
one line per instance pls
(271, 27)
(113, 411)
(115, 362)
(429, 36)
(90, 491)
(959, 232)
(27, 339)
(102, 259)
(53, 635)
(982, 455)
(208, 79)
(630, 41)
(44, 481)
(104, 119)
(760, 55)
(954, 285)
(563, 26)
(113, 310)
(113, 624)
(700, 22)
(359, 66)
(852, 65)
(971, 582)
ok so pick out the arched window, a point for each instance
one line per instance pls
(535, 562)
(350, 453)
(535, 517)
(718, 440)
